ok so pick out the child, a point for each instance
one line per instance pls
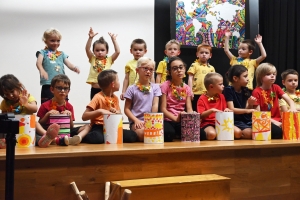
(60, 87)
(246, 49)
(267, 94)
(240, 101)
(104, 102)
(211, 102)
(99, 59)
(138, 49)
(176, 95)
(50, 62)
(198, 70)
(17, 100)
(290, 81)
(141, 97)
(172, 49)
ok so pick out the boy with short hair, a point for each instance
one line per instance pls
(104, 102)
(198, 71)
(290, 81)
(209, 103)
(172, 49)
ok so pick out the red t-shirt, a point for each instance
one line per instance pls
(203, 104)
(268, 100)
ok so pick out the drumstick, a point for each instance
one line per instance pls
(107, 190)
(75, 189)
(126, 194)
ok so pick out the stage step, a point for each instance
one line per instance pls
(192, 187)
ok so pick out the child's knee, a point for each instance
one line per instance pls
(237, 133)
(211, 135)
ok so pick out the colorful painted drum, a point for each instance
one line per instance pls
(113, 128)
(224, 125)
(26, 136)
(154, 128)
(291, 125)
(190, 127)
(261, 125)
(63, 121)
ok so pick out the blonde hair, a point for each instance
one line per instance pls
(49, 32)
(172, 42)
(262, 70)
(210, 78)
(144, 61)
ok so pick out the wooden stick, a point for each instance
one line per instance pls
(75, 189)
(126, 194)
(83, 195)
(115, 192)
(107, 190)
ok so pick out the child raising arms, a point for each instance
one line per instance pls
(245, 50)
(176, 95)
(98, 58)
(267, 94)
(50, 62)
(141, 97)
(240, 101)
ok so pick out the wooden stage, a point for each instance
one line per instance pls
(257, 169)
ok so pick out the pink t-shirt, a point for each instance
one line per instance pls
(175, 105)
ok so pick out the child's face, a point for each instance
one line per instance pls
(217, 87)
(243, 79)
(269, 78)
(244, 51)
(145, 71)
(203, 54)
(177, 70)
(60, 90)
(291, 82)
(53, 42)
(138, 51)
(13, 95)
(172, 50)
(100, 51)
(116, 84)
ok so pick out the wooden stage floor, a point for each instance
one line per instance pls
(258, 169)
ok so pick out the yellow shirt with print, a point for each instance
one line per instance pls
(6, 106)
(162, 69)
(250, 64)
(131, 69)
(282, 102)
(93, 75)
(199, 71)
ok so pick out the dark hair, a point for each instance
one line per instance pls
(235, 70)
(100, 41)
(285, 73)
(138, 41)
(60, 78)
(172, 59)
(250, 43)
(106, 77)
(8, 83)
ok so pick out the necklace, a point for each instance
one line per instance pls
(268, 100)
(178, 92)
(166, 59)
(295, 99)
(213, 98)
(52, 55)
(54, 105)
(14, 107)
(109, 101)
(143, 88)
(100, 64)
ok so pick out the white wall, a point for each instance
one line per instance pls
(22, 24)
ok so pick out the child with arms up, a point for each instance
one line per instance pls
(141, 97)
(50, 62)
(98, 58)
(176, 95)
(268, 94)
(240, 101)
(245, 50)
(104, 102)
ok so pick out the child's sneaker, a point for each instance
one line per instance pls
(50, 135)
(62, 141)
(76, 139)
(2, 143)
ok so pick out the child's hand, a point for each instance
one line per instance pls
(250, 111)
(292, 110)
(178, 118)
(23, 99)
(258, 39)
(113, 110)
(277, 123)
(67, 112)
(227, 110)
(91, 33)
(105, 112)
(122, 97)
(44, 74)
(53, 112)
(227, 33)
(138, 124)
(76, 69)
(252, 100)
(112, 36)
(215, 110)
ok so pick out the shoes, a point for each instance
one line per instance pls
(51, 133)
(62, 141)
(76, 139)
(2, 143)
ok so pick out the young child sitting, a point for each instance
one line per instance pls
(104, 102)
(198, 71)
(211, 102)
(141, 97)
(290, 81)
(268, 94)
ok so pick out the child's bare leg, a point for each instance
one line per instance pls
(82, 132)
(50, 134)
(139, 132)
(210, 133)
(237, 133)
(247, 133)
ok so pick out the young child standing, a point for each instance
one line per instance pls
(198, 71)
(50, 62)
(172, 49)
(98, 58)
(240, 101)
(17, 100)
(138, 49)
(267, 94)
(141, 97)
(104, 102)
(209, 103)
(176, 95)
(290, 81)
(246, 49)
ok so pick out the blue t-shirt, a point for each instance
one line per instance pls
(51, 65)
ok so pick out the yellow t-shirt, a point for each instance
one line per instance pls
(199, 71)
(6, 106)
(250, 64)
(162, 69)
(282, 102)
(131, 69)
(94, 71)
